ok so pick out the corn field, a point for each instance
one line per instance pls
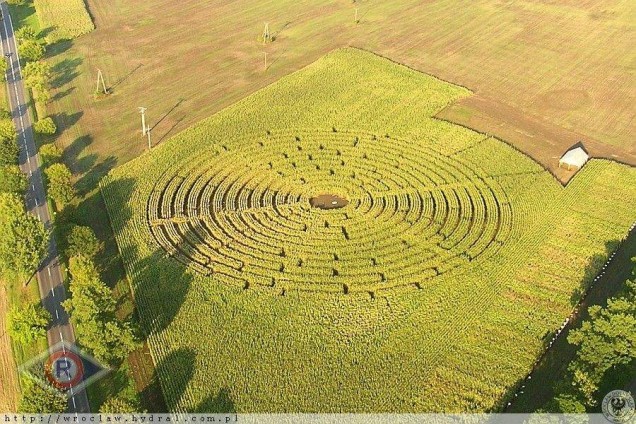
(433, 289)
(66, 19)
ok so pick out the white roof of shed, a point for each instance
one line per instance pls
(575, 157)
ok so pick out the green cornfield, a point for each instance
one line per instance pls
(63, 19)
(434, 283)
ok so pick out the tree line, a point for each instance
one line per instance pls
(606, 347)
(92, 309)
(24, 243)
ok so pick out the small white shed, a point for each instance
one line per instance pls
(575, 157)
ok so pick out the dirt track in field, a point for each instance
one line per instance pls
(8, 370)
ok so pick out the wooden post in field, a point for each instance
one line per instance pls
(266, 35)
(100, 79)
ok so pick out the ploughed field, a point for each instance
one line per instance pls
(326, 245)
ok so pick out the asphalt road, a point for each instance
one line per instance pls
(49, 277)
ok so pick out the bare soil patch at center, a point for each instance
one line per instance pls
(328, 201)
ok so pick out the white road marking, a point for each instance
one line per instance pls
(49, 270)
(53, 292)
(61, 336)
(57, 315)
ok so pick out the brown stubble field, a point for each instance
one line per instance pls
(545, 74)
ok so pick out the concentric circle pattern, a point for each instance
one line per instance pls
(242, 213)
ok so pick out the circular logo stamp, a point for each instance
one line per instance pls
(618, 406)
(64, 369)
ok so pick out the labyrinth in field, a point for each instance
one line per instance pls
(327, 245)
(245, 213)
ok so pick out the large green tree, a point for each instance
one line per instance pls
(60, 186)
(45, 126)
(36, 76)
(23, 240)
(25, 33)
(27, 323)
(82, 241)
(8, 151)
(37, 399)
(50, 154)
(31, 50)
(36, 73)
(12, 180)
(7, 129)
(606, 340)
(92, 308)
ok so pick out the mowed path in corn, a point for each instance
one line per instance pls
(544, 75)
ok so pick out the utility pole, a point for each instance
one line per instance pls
(142, 110)
(100, 79)
(266, 36)
(149, 143)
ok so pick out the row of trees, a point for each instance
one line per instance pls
(93, 311)
(23, 244)
(24, 239)
(36, 73)
(11, 178)
(92, 308)
(606, 343)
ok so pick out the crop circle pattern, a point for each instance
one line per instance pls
(241, 212)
